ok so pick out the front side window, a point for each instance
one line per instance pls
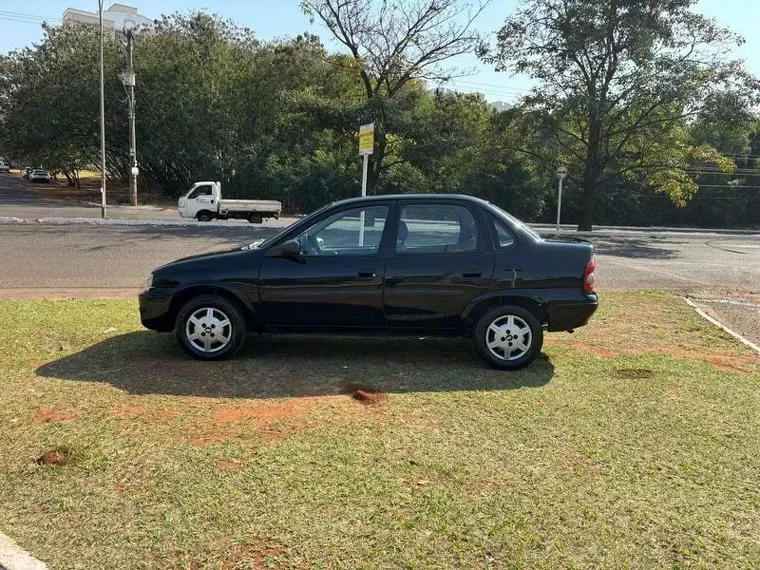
(200, 191)
(436, 228)
(358, 231)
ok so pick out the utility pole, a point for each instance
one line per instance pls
(129, 83)
(102, 122)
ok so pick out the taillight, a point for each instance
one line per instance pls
(588, 276)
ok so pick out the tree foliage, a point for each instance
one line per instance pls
(278, 119)
(392, 44)
(618, 83)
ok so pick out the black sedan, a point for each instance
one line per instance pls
(410, 264)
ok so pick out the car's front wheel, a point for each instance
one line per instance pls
(508, 337)
(209, 327)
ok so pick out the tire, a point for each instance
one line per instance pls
(508, 328)
(255, 218)
(198, 322)
(204, 216)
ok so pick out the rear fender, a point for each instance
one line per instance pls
(487, 301)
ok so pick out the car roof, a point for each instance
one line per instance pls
(413, 197)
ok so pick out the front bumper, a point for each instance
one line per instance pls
(568, 315)
(155, 310)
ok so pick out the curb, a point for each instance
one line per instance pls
(10, 220)
(143, 208)
(717, 323)
(13, 557)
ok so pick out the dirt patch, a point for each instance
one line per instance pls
(261, 413)
(633, 373)
(364, 394)
(259, 554)
(59, 456)
(229, 465)
(167, 414)
(49, 414)
(133, 410)
(719, 360)
(723, 362)
(209, 440)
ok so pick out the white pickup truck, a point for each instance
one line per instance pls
(204, 202)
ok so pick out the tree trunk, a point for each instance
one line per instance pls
(587, 205)
(590, 174)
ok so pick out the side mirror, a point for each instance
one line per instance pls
(290, 249)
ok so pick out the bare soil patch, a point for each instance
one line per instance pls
(59, 456)
(258, 554)
(50, 414)
(364, 394)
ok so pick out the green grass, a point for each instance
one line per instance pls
(634, 443)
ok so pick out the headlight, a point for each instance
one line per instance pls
(148, 283)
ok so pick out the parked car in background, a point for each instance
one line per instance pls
(409, 264)
(27, 171)
(204, 202)
(4, 167)
(39, 176)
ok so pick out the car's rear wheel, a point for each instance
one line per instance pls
(204, 216)
(210, 327)
(508, 337)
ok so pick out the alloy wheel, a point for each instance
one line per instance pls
(208, 330)
(508, 337)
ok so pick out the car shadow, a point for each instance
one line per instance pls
(635, 248)
(279, 366)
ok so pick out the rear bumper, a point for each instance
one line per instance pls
(571, 314)
(155, 310)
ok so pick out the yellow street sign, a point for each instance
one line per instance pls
(367, 139)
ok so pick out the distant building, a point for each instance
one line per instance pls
(501, 106)
(117, 18)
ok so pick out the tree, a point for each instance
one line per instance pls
(618, 82)
(50, 100)
(392, 44)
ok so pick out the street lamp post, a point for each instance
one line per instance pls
(561, 175)
(102, 122)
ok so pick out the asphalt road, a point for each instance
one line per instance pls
(53, 257)
(80, 256)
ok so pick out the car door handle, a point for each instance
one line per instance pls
(367, 273)
(472, 273)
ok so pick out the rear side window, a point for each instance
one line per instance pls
(436, 228)
(504, 237)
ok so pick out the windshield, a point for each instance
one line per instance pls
(262, 243)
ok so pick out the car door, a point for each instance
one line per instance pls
(337, 281)
(441, 260)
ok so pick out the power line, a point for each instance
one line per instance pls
(27, 18)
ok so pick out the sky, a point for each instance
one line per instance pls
(269, 19)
